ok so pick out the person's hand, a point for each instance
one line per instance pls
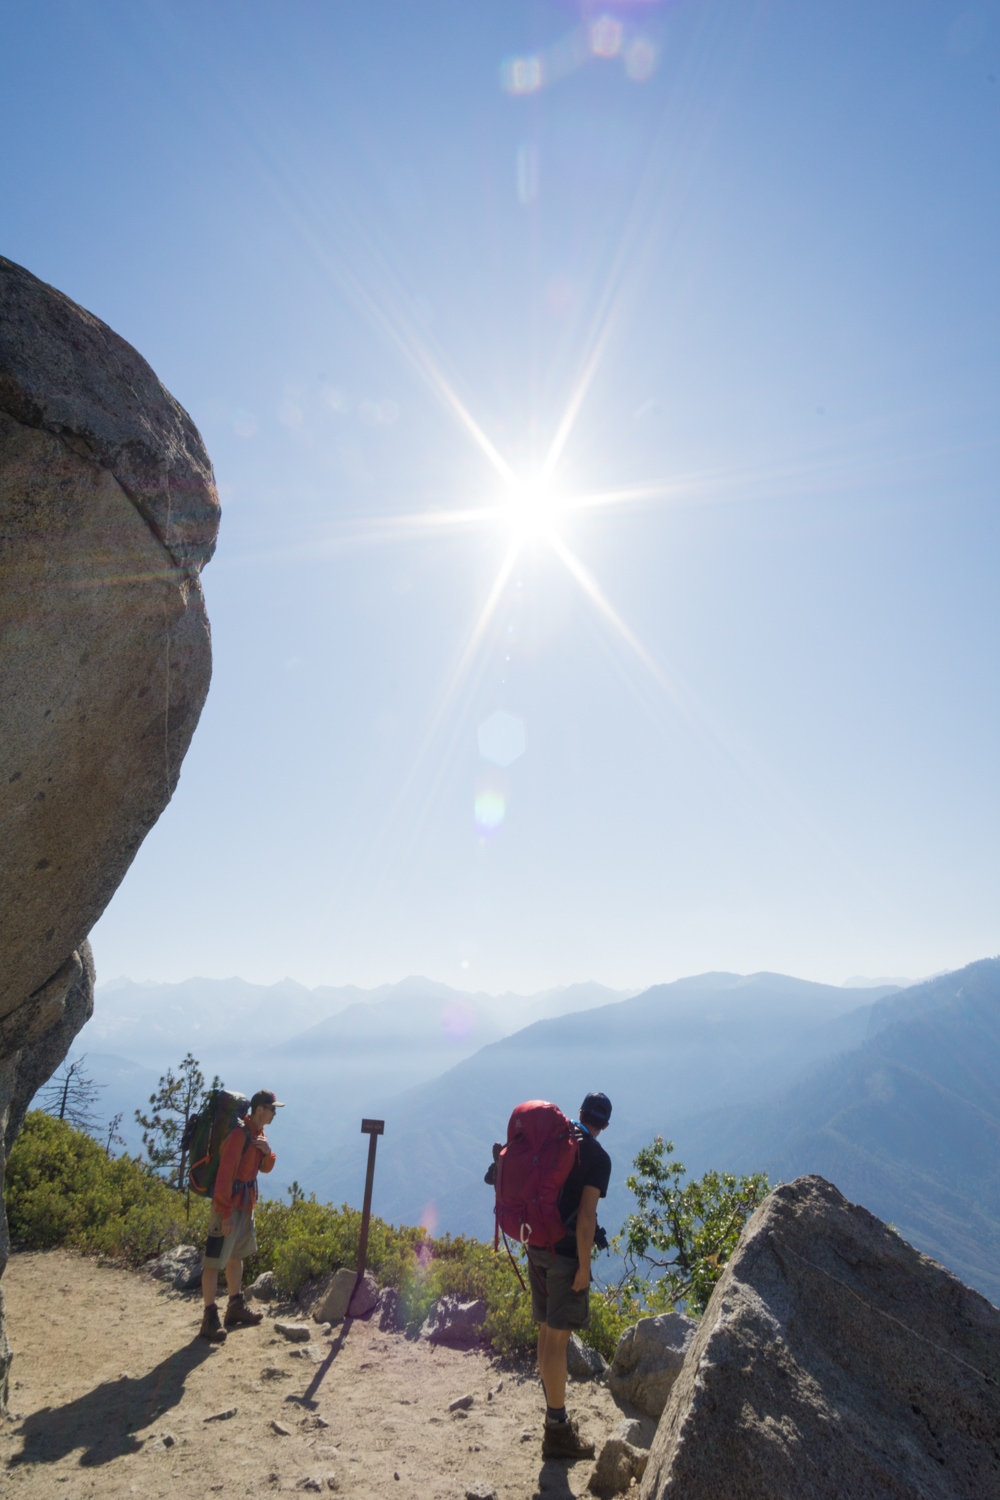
(227, 1226)
(262, 1143)
(581, 1280)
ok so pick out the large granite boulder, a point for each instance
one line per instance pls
(833, 1360)
(108, 510)
(648, 1360)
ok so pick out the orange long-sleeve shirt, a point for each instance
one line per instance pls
(239, 1164)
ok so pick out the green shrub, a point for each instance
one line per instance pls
(62, 1189)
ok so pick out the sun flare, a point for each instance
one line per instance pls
(531, 507)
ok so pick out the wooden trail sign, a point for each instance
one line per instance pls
(372, 1129)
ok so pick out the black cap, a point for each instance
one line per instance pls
(597, 1109)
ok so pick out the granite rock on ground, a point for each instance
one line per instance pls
(833, 1360)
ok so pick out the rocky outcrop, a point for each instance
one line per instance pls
(108, 510)
(648, 1360)
(833, 1360)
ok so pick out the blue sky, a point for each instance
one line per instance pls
(377, 250)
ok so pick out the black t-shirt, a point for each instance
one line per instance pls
(593, 1169)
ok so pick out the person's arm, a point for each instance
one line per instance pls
(586, 1227)
(222, 1196)
(269, 1158)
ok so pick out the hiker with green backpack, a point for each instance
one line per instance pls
(228, 1168)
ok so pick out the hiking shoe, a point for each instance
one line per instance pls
(565, 1440)
(211, 1328)
(239, 1315)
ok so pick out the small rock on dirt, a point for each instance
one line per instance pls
(582, 1362)
(330, 1299)
(310, 1483)
(223, 1415)
(365, 1299)
(461, 1403)
(279, 1429)
(618, 1466)
(390, 1312)
(181, 1266)
(480, 1492)
(649, 1359)
(272, 1372)
(639, 1431)
(265, 1288)
(295, 1333)
(454, 1323)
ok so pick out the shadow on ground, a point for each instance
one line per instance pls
(104, 1421)
(553, 1480)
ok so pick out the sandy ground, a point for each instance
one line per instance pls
(112, 1394)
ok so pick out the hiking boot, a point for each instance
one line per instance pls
(211, 1328)
(565, 1440)
(239, 1315)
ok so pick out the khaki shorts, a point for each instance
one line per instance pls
(237, 1245)
(553, 1300)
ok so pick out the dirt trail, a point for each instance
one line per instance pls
(107, 1369)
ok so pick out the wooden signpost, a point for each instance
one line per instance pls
(372, 1129)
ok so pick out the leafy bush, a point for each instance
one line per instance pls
(686, 1231)
(61, 1188)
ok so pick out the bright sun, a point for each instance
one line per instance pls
(531, 507)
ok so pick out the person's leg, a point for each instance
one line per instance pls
(215, 1251)
(567, 1311)
(552, 1364)
(238, 1315)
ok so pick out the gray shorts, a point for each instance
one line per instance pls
(553, 1300)
(237, 1245)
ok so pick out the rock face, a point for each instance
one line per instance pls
(108, 510)
(833, 1360)
(649, 1359)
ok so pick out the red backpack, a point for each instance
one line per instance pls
(541, 1151)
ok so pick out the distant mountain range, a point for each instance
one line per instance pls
(893, 1094)
(329, 1052)
(676, 1049)
(907, 1124)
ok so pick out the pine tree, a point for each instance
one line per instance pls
(175, 1101)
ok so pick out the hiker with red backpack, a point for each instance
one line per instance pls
(549, 1179)
(231, 1238)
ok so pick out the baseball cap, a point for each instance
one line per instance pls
(271, 1101)
(596, 1107)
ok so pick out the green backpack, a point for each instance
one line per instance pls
(206, 1132)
